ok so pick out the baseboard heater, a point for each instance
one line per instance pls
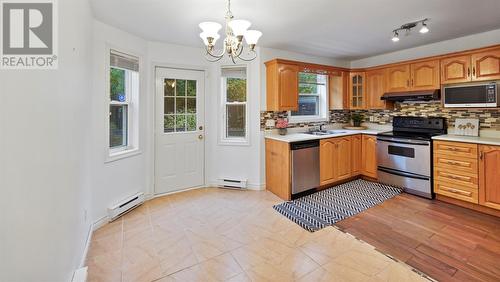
(232, 183)
(125, 206)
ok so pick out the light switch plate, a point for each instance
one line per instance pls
(467, 126)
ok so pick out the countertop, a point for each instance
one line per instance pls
(297, 137)
(469, 139)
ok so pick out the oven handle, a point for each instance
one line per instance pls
(402, 173)
(403, 141)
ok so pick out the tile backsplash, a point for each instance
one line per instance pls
(488, 118)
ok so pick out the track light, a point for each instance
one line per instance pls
(407, 27)
(424, 28)
(395, 38)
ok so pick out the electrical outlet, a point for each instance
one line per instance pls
(270, 122)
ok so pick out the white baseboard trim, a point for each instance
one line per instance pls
(250, 186)
(87, 245)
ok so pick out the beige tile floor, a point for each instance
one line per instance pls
(215, 234)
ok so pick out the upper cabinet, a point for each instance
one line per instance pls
(357, 99)
(282, 86)
(338, 93)
(486, 65)
(397, 78)
(375, 88)
(478, 66)
(455, 69)
(424, 75)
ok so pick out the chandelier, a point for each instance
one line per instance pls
(236, 30)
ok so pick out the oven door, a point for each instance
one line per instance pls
(406, 155)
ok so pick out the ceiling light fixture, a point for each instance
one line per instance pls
(407, 28)
(235, 31)
(395, 38)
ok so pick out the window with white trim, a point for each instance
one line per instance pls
(313, 102)
(234, 104)
(123, 102)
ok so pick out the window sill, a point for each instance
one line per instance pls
(118, 155)
(291, 119)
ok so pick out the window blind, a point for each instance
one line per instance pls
(123, 61)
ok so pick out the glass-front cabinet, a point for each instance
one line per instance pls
(357, 90)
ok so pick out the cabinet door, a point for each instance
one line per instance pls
(356, 90)
(278, 176)
(489, 174)
(397, 78)
(326, 161)
(369, 156)
(356, 155)
(455, 69)
(342, 161)
(375, 88)
(425, 75)
(337, 88)
(288, 81)
(486, 65)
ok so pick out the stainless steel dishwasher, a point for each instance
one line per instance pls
(305, 166)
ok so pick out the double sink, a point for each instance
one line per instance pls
(326, 132)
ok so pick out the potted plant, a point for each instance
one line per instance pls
(281, 125)
(357, 119)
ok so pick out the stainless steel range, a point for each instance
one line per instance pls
(405, 155)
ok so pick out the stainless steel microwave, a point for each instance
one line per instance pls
(478, 95)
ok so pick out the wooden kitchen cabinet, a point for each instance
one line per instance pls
(486, 65)
(489, 176)
(335, 159)
(356, 154)
(338, 90)
(357, 99)
(278, 168)
(425, 75)
(282, 86)
(375, 88)
(478, 66)
(397, 78)
(369, 156)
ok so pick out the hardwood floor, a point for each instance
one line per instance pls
(447, 242)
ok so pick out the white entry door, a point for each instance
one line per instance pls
(180, 140)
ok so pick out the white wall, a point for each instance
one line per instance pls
(114, 181)
(453, 45)
(43, 158)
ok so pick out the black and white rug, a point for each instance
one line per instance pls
(324, 208)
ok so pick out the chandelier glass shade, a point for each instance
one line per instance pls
(233, 46)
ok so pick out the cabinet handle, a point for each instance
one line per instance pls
(412, 82)
(473, 71)
(468, 194)
(468, 72)
(481, 155)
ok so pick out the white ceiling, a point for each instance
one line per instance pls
(343, 29)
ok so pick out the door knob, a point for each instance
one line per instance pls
(200, 136)
(201, 127)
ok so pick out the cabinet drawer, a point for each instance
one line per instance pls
(455, 149)
(456, 191)
(457, 178)
(457, 163)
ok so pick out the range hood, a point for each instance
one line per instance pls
(427, 95)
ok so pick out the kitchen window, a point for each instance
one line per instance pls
(123, 102)
(234, 105)
(313, 102)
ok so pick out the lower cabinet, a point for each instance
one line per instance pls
(278, 168)
(489, 176)
(335, 159)
(356, 154)
(369, 156)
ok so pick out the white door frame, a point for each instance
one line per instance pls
(154, 66)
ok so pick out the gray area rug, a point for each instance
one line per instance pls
(324, 208)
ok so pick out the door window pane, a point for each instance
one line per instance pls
(191, 105)
(169, 87)
(169, 104)
(235, 120)
(191, 87)
(180, 123)
(180, 88)
(169, 123)
(190, 122)
(117, 125)
(117, 85)
(180, 105)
